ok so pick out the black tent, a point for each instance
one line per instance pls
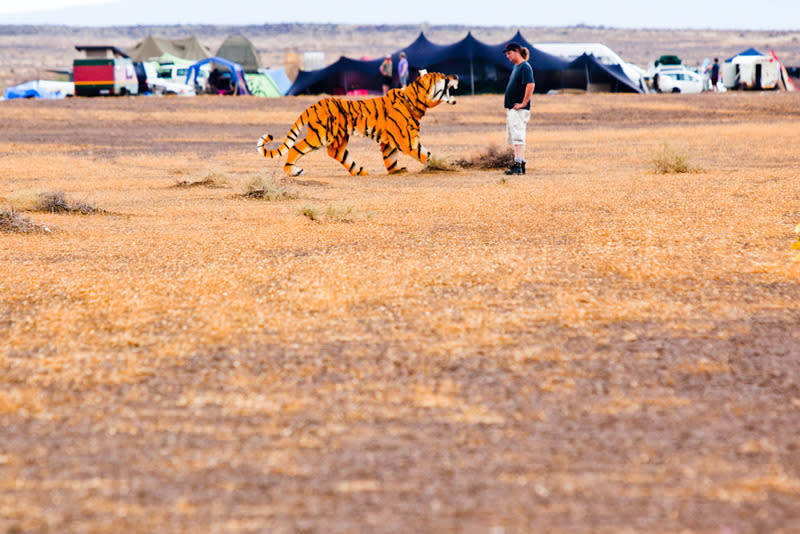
(481, 68)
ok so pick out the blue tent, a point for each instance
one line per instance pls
(237, 82)
(480, 67)
(280, 78)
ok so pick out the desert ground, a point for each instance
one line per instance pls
(591, 347)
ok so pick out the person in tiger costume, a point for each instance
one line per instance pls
(392, 121)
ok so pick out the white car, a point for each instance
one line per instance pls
(677, 80)
(165, 86)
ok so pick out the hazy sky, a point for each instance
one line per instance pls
(715, 14)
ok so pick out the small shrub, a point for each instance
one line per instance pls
(670, 161)
(53, 202)
(264, 187)
(50, 202)
(11, 221)
(85, 207)
(492, 157)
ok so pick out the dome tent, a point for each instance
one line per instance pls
(239, 49)
(234, 70)
(154, 48)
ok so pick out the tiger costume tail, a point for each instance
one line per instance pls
(288, 142)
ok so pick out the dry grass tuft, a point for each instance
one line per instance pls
(670, 161)
(12, 222)
(24, 200)
(437, 163)
(266, 188)
(310, 211)
(333, 213)
(209, 179)
(50, 202)
(491, 157)
(203, 182)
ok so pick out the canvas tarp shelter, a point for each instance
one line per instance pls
(480, 67)
(154, 48)
(235, 71)
(45, 89)
(239, 49)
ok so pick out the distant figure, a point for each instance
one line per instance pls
(402, 70)
(386, 72)
(715, 75)
(519, 93)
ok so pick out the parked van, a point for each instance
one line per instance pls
(105, 71)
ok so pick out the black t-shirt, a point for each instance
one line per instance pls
(520, 77)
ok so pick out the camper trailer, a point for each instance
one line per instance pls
(751, 70)
(106, 70)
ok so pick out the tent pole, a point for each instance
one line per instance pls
(586, 68)
(471, 77)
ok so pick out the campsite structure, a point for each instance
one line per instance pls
(260, 81)
(153, 48)
(226, 76)
(482, 68)
(601, 52)
(106, 70)
(751, 70)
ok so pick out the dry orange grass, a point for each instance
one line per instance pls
(472, 354)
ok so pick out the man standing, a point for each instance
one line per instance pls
(518, 103)
(402, 70)
(386, 73)
(715, 75)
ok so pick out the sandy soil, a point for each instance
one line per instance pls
(593, 347)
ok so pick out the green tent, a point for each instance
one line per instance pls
(155, 48)
(261, 84)
(239, 49)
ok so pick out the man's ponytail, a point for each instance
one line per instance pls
(525, 53)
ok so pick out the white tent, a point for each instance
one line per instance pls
(751, 70)
(606, 56)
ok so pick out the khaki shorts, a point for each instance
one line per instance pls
(516, 125)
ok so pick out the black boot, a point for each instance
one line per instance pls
(516, 168)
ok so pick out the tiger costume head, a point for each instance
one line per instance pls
(429, 90)
(392, 120)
